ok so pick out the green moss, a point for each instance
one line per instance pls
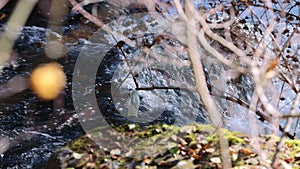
(167, 141)
(294, 145)
(79, 145)
(232, 137)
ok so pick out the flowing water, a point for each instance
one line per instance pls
(30, 129)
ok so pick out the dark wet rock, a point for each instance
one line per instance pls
(32, 148)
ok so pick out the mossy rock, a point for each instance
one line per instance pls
(167, 146)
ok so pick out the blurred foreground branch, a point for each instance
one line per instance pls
(14, 26)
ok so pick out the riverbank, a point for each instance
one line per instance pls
(166, 146)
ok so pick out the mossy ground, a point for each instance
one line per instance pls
(166, 146)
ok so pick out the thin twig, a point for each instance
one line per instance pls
(287, 128)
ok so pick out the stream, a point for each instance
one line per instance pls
(31, 129)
